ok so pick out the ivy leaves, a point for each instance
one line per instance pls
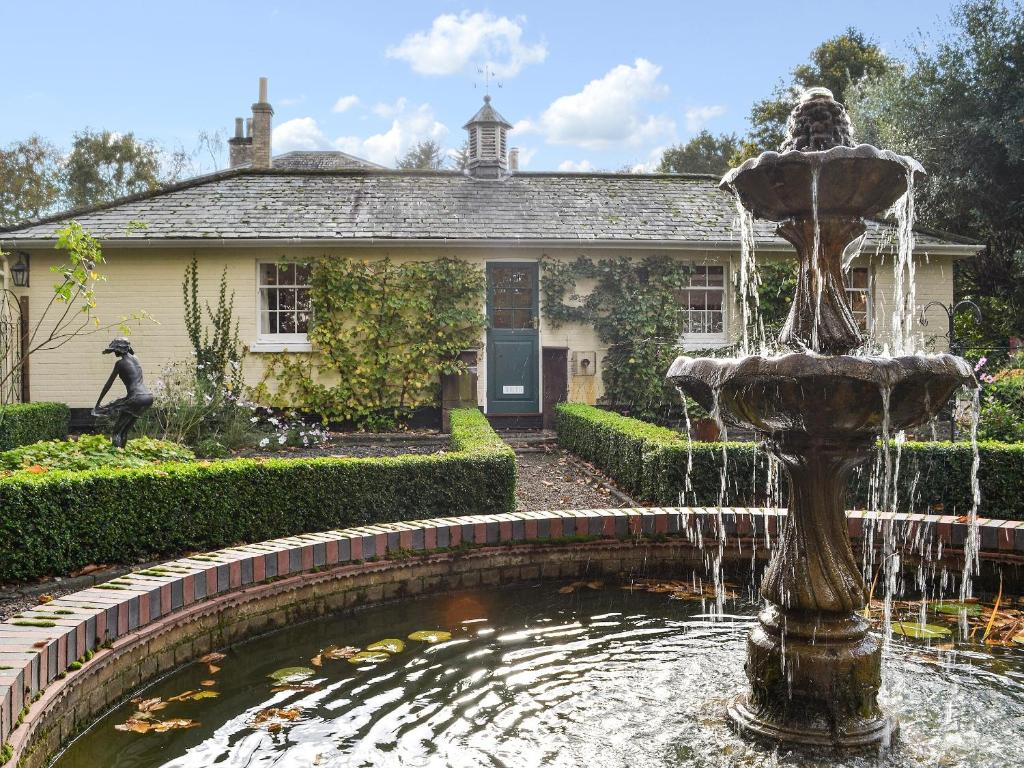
(383, 332)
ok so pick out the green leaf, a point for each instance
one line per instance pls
(369, 657)
(389, 645)
(431, 636)
(919, 631)
(954, 609)
(292, 674)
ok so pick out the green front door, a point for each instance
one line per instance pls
(512, 339)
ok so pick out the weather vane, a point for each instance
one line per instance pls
(488, 75)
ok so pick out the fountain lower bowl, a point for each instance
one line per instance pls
(841, 396)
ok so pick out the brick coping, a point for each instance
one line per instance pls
(44, 643)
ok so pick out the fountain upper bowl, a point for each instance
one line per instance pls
(825, 396)
(855, 182)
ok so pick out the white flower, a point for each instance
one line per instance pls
(282, 439)
(264, 442)
(254, 419)
(274, 421)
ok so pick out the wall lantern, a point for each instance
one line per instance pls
(19, 272)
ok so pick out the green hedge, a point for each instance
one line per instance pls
(26, 423)
(649, 462)
(59, 521)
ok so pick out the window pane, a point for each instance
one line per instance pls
(302, 272)
(268, 298)
(268, 274)
(303, 300)
(268, 322)
(286, 322)
(286, 274)
(700, 276)
(522, 318)
(286, 298)
(857, 278)
(716, 276)
(523, 297)
(503, 318)
(302, 326)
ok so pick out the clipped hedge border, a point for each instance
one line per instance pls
(649, 462)
(58, 522)
(27, 423)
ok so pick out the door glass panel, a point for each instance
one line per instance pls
(513, 298)
(503, 318)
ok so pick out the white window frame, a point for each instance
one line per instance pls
(689, 340)
(275, 342)
(868, 291)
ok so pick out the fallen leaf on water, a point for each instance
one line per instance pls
(1019, 639)
(149, 705)
(317, 661)
(199, 695)
(182, 696)
(337, 654)
(570, 588)
(388, 645)
(274, 717)
(431, 636)
(369, 657)
(208, 683)
(212, 669)
(954, 609)
(210, 658)
(160, 726)
(135, 725)
(291, 674)
(305, 687)
(274, 727)
(919, 631)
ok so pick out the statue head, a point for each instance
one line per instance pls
(119, 346)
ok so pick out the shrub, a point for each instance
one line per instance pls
(24, 423)
(60, 521)
(1002, 405)
(93, 452)
(650, 462)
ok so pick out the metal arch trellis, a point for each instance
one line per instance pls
(11, 351)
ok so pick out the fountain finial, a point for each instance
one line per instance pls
(818, 122)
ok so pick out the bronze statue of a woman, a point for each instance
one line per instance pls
(138, 398)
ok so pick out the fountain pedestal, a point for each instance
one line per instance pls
(814, 669)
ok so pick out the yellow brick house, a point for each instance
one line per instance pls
(263, 217)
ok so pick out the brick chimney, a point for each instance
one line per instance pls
(239, 145)
(513, 159)
(262, 113)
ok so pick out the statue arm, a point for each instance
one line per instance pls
(107, 386)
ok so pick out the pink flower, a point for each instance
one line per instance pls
(980, 364)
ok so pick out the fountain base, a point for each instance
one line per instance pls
(814, 681)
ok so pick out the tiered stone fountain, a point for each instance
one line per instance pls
(814, 668)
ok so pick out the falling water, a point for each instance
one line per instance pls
(904, 306)
(972, 543)
(819, 282)
(749, 283)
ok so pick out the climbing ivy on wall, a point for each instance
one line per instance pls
(634, 308)
(382, 333)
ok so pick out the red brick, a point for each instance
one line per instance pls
(282, 563)
(356, 545)
(454, 535)
(555, 528)
(505, 530)
(307, 557)
(259, 568)
(333, 552)
(530, 529)
(430, 537)
(234, 574)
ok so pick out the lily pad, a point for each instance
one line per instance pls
(291, 674)
(431, 636)
(954, 609)
(919, 631)
(388, 645)
(369, 657)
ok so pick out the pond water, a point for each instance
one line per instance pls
(533, 676)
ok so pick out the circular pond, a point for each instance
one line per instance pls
(550, 675)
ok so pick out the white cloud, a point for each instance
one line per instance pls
(291, 101)
(454, 43)
(299, 133)
(388, 111)
(407, 128)
(698, 117)
(609, 112)
(525, 156)
(583, 166)
(345, 103)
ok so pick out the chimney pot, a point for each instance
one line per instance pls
(248, 127)
(238, 128)
(513, 159)
(263, 90)
(262, 116)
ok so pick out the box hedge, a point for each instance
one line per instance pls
(26, 423)
(649, 462)
(60, 521)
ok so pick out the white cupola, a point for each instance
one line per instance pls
(488, 143)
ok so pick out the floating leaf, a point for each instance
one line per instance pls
(431, 636)
(1019, 639)
(208, 683)
(137, 725)
(919, 631)
(183, 696)
(570, 588)
(369, 657)
(317, 661)
(160, 726)
(337, 654)
(292, 674)
(199, 695)
(213, 670)
(954, 609)
(210, 658)
(149, 705)
(134, 725)
(389, 645)
(295, 687)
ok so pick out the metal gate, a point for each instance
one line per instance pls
(11, 336)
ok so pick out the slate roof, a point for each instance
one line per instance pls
(429, 206)
(320, 160)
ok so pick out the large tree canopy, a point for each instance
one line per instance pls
(426, 155)
(958, 107)
(835, 64)
(104, 166)
(704, 153)
(30, 181)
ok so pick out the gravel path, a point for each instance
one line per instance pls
(555, 479)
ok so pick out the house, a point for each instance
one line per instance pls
(265, 213)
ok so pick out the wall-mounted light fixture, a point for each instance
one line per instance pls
(19, 272)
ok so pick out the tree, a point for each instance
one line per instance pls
(704, 153)
(104, 166)
(30, 183)
(459, 158)
(956, 107)
(835, 64)
(426, 155)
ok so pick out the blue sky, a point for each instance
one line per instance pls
(588, 84)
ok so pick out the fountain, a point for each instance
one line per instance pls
(814, 669)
